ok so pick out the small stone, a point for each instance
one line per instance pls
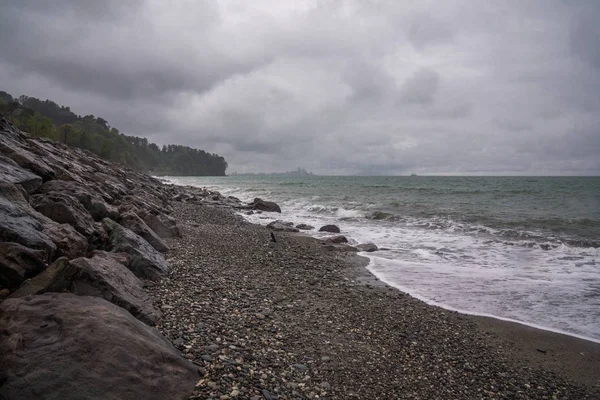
(267, 395)
(325, 358)
(260, 316)
(207, 358)
(325, 385)
(234, 393)
(300, 366)
(178, 342)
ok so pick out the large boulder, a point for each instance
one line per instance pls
(69, 243)
(145, 261)
(11, 172)
(99, 276)
(64, 209)
(260, 204)
(131, 221)
(15, 149)
(18, 263)
(330, 228)
(62, 346)
(18, 223)
(163, 225)
(91, 200)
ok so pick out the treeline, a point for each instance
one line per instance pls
(48, 119)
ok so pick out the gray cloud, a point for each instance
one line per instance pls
(345, 87)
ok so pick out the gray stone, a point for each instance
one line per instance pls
(368, 247)
(330, 228)
(62, 346)
(69, 243)
(64, 209)
(281, 226)
(137, 225)
(19, 224)
(145, 261)
(260, 204)
(18, 263)
(305, 227)
(11, 172)
(337, 239)
(163, 225)
(91, 200)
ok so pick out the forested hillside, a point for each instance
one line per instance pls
(48, 119)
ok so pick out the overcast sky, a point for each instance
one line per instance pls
(333, 86)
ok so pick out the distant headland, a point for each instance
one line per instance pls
(298, 172)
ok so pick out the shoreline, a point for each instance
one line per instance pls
(483, 315)
(296, 319)
(572, 357)
(368, 256)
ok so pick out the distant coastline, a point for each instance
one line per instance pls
(298, 172)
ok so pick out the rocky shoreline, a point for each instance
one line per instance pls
(116, 285)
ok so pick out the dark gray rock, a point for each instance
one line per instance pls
(69, 243)
(91, 200)
(330, 228)
(99, 276)
(260, 204)
(11, 172)
(337, 239)
(18, 263)
(19, 224)
(280, 226)
(368, 247)
(137, 225)
(305, 227)
(103, 276)
(163, 225)
(64, 209)
(62, 346)
(145, 261)
(339, 247)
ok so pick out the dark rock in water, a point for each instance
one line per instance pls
(18, 263)
(99, 276)
(69, 243)
(330, 228)
(260, 204)
(337, 239)
(11, 172)
(138, 226)
(249, 212)
(62, 346)
(339, 247)
(18, 222)
(64, 209)
(280, 226)
(305, 227)
(368, 247)
(545, 247)
(145, 261)
(163, 225)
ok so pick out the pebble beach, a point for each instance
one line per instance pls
(296, 319)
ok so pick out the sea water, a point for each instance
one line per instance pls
(518, 248)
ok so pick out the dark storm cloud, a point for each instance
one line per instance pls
(348, 86)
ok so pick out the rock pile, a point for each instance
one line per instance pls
(78, 237)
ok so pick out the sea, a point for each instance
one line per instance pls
(523, 249)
